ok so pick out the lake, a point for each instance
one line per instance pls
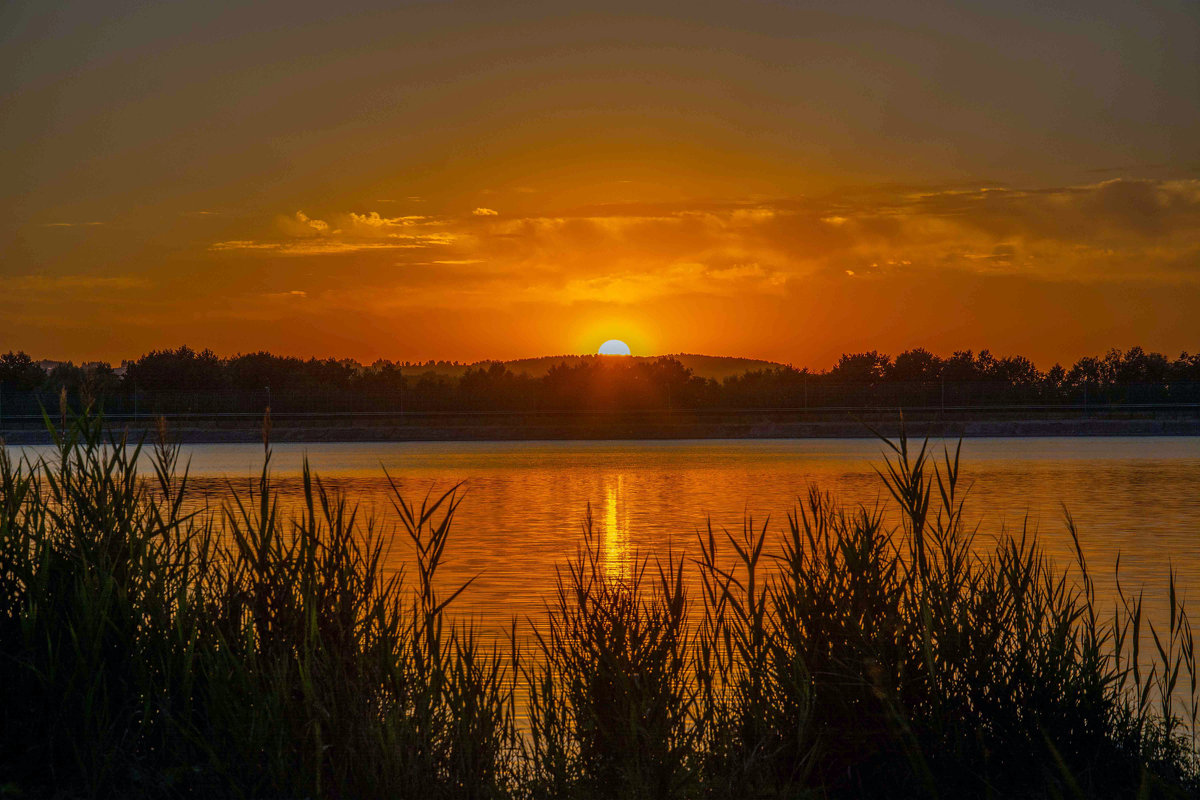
(525, 502)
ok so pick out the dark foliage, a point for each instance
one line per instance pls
(187, 381)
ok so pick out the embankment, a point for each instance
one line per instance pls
(785, 424)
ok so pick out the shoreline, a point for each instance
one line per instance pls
(658, 426)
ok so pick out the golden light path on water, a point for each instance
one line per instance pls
(615, 532)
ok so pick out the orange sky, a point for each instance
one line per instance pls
(469, 181)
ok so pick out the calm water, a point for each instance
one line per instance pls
(526, 501)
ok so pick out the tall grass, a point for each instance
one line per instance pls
(610, 694)
(150, 649)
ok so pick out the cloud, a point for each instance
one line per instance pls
(244, 244)
(372, 219)
(678, 279)
(71, 224)
(1109, 231)
(321, 226)
(351, 232)
(1113, 230)
(485, 212)
(319, 248)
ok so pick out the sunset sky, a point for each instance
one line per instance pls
(786, 181)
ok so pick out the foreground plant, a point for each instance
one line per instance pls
(156, 650)
(153, 645)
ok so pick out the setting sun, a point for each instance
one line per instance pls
(614, 347)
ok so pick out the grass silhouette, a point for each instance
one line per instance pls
(236, 651)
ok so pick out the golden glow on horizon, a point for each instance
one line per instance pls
(484, 184)
(793, 281)
(626, 324)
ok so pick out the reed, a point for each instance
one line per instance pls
(611, 692)
(152, 650)
(153, 645)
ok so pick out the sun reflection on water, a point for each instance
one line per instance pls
(615, 551)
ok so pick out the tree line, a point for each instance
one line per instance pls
(189, 381)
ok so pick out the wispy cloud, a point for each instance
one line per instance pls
(318, 225)
(71, 224)
(302, 235)
(1114, 230)
(372, 219)
(244, 244)
(678, 279)
(322, 247)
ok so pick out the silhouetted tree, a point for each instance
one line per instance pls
(916, 365)
(20, 372)
(182, 370)
(187, 380)
(960, 367)
(868, 367)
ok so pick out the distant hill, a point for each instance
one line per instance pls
(717, 367)
(720, 367)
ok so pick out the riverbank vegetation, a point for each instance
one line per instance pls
(153, 646)
(187, 381)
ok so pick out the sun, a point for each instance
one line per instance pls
(614, 347)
